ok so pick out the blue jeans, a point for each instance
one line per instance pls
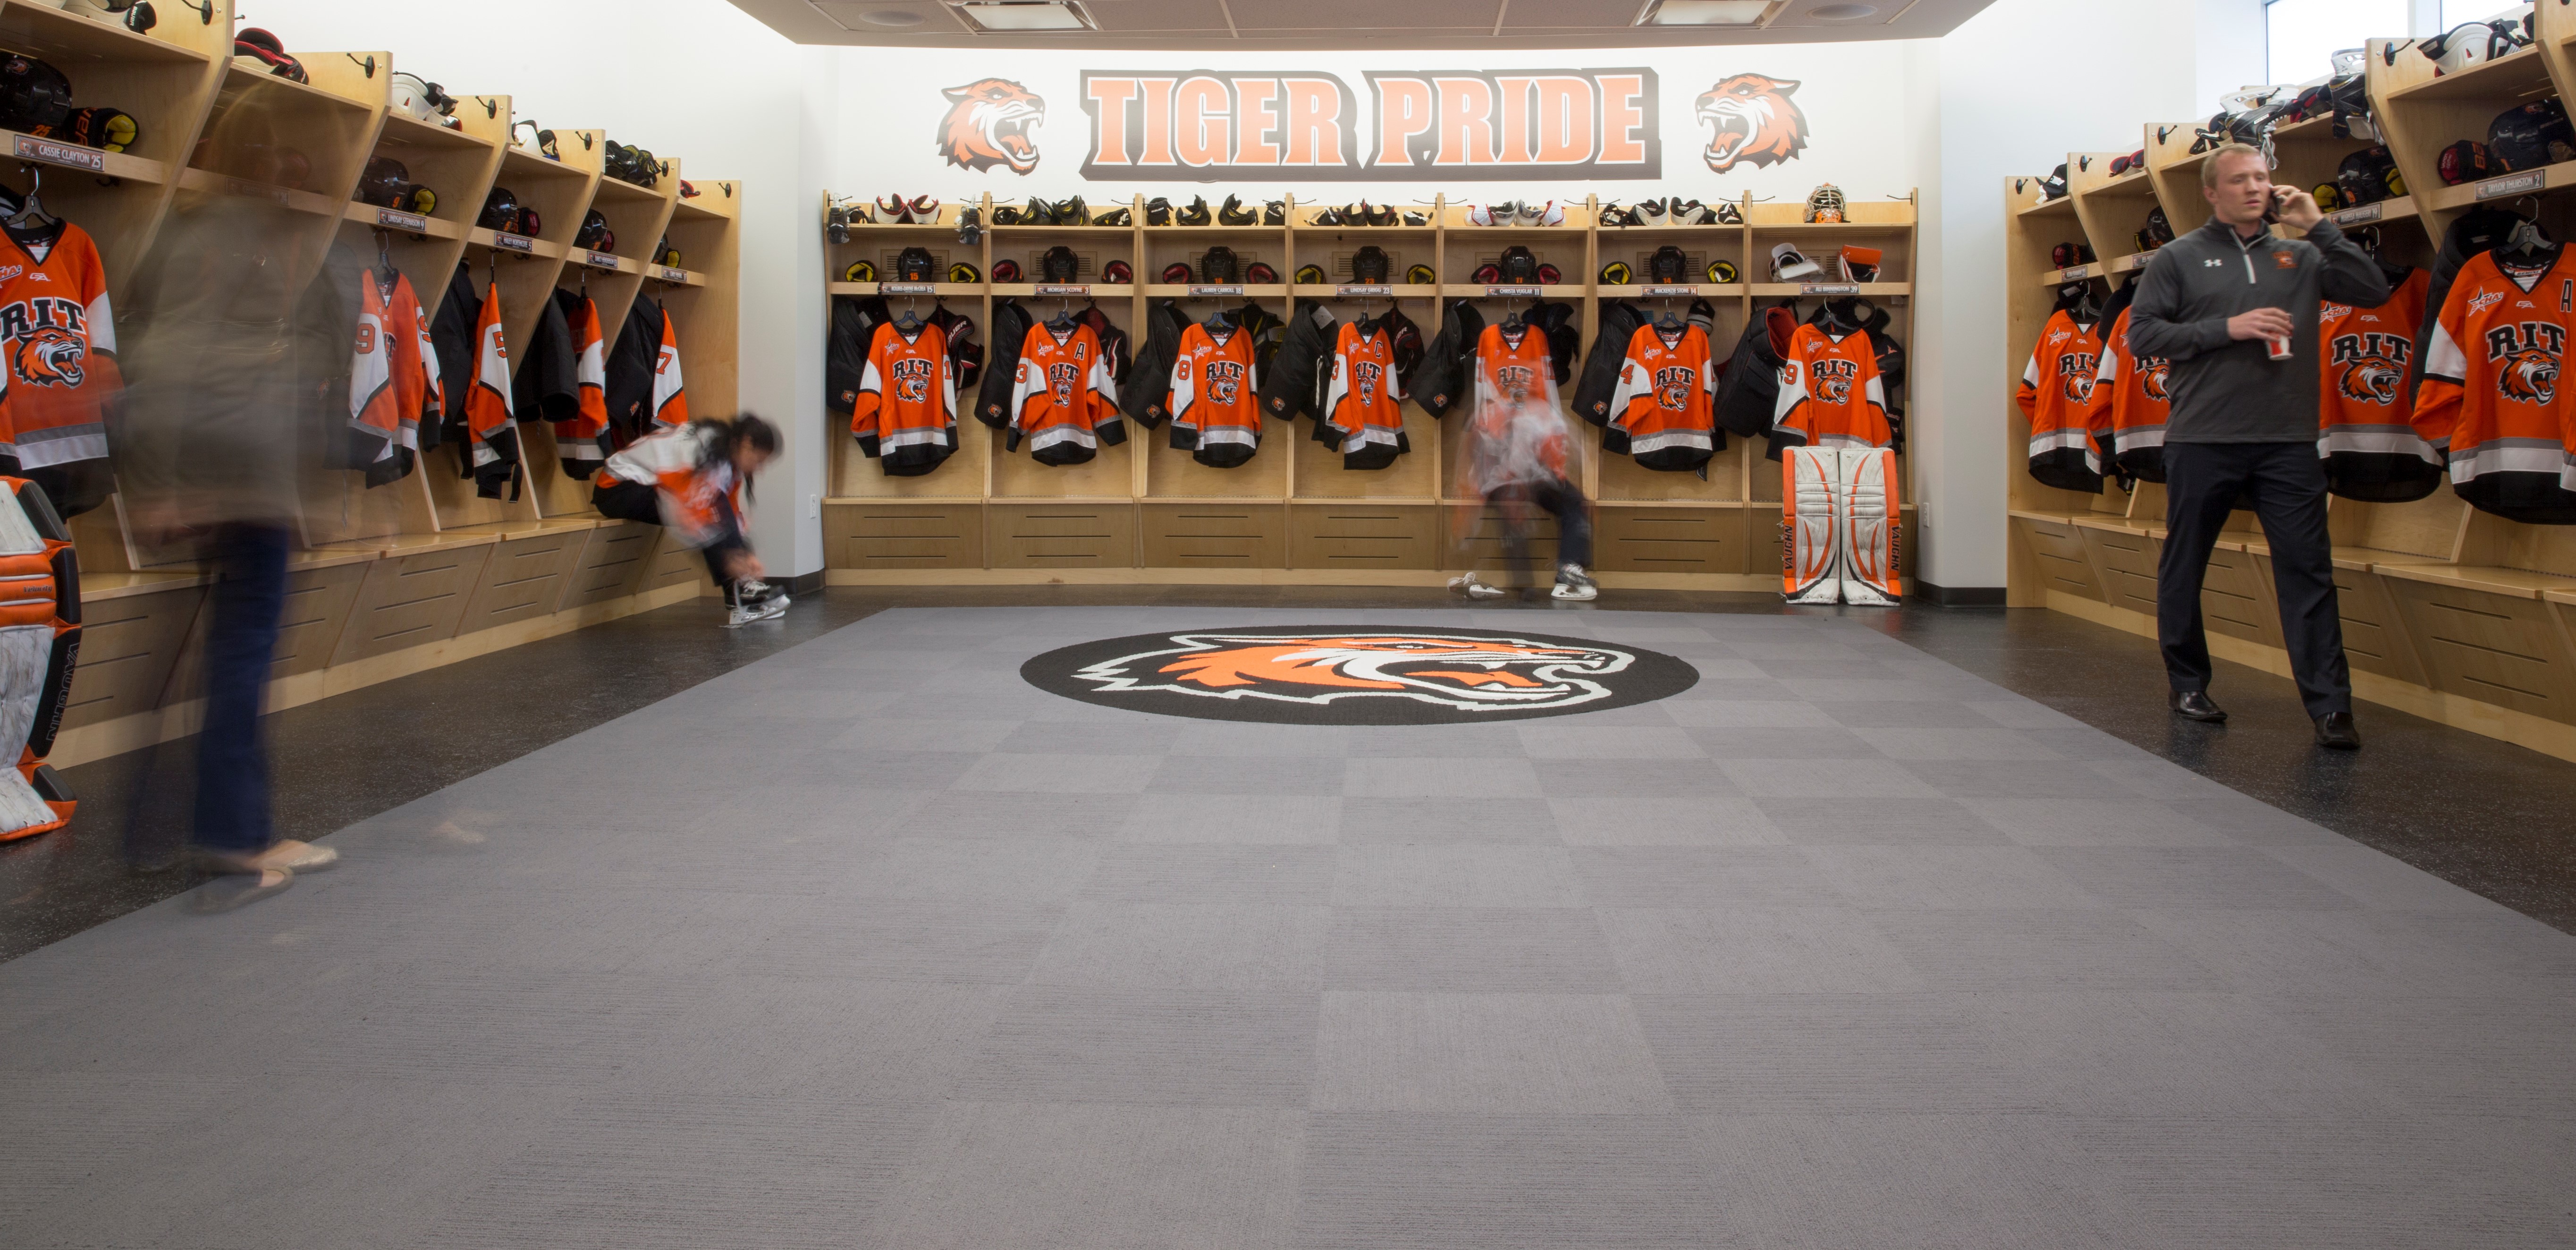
(233, 815)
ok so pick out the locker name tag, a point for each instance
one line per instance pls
(513, 242)
(2074, 272)
(2516, 184)
(72, 154)
(906, 288)
(413, 222)
(1670, 290)
(1216, 290)
(601, 260)
(1515, 290)
(1063, 290)
(1828, 288)
(1365, 288)
(2356, 216)
(674, 275)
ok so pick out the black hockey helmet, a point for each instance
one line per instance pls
(594, 233)
(34, 96)
(1668, 265)
(2364, 176)
(2531, 135)
(386, 183)
(501, 212)
(1218, 265)
(1518, 264)
(916, 264)
(1369, 265)
(2466, 161)
(1059, 264)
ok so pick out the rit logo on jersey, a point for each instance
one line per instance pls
(1060, 380)
(1831, 380)
(2075, 372)
(911, 379)
(2526, 356)
(48, 342)
(1366, 373)
(1515, 380)
(1224, 381)
(2374, 365)
(1673, 386)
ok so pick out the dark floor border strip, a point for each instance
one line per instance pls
(1959, 596)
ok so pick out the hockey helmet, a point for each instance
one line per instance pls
(1118, 271)
(2466, 161)
(964, 274)
(665, 254)
(1006, 215)
(1158, 211)
(1218, 265)
(1550, 275)
(1177, 273)
(419, 99)
(1788, 264)
(2328, 198)
(1421, 275)
(1059, 264)
(2159, 231)
(1274, 213)
(501, 212)
(594, 232)
(1260, 274)
(630, 164)
(1006, 270)
(1370, 264)
(1310, 275)
(1724, 272)
(2054, 185)
(2532, 135)
(34, 96)
(111, 130)
(263, 50)
(915, 264)
(1668, 265)
(1518, 264)
(2363, 178)
(1826, 204)
(859, 271)
(1860, 264)
(1617, 273)
(1487, 275)
(2064, 254)
(386, 183)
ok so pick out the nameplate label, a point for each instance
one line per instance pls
(2513, 184)
(1669, 290)
(508, 242)
(1216, 290)
(2077, 272)
(1064, 290)
(1828, 288)
(1515, 290)
(906, 288)
(1365, 288)
(413, 222)
(674, 275)
(2362, 215)
(600, 260)
(73, 155)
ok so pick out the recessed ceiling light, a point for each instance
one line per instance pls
(1024, 15)
(1701, 13)
(890, 17)
(1842, 12)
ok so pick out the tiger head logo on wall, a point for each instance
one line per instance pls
(988, 125)
(1752, 121)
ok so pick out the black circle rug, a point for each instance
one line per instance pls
(1357, 675)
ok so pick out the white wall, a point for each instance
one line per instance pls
(695, 79)
(2001, 112)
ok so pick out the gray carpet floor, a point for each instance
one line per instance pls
(871, 944)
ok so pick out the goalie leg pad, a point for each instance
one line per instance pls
(1808, 476)
(1866, 492)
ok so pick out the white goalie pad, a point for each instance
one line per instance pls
(1808, 477)
(1867, 494)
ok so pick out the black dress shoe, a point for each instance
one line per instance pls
(2336, 730)
(2197, 705)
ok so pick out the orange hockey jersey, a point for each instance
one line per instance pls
(2365, 398)
(1215, 414)
(393, 377)
(580, 440)
(670, 392)
(1364, 400)
(1518, 435)
(2057, 396)
(1663, 411)
(61, 340)
(2491, 387)
(905, 412)
(494, 459)
(1830, 395)
(1063, 403)
(2131, 398)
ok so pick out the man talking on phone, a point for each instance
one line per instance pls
(2235, 309)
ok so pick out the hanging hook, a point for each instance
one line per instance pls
(369, 64)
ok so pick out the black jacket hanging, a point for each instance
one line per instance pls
(545, 383)
(1147, 396)
(1619, 323)
(845, 351)
(1296, 379)
(451, 332)
(1011, 325)
(629, 384)
(1443, 380)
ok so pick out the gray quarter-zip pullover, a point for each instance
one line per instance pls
(2225, 391)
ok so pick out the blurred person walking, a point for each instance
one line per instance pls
(694, 480)
(1514, 458)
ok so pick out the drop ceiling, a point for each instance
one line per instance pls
(1346, 25)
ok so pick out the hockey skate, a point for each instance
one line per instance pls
(754, 600)
(1466, 584)
(1575, 584)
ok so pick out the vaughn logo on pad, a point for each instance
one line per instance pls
(1343, 675)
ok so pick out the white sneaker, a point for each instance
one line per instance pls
(1573, 583)
(746, 613)
(1467, 585)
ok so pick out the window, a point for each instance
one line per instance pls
(2304, 34)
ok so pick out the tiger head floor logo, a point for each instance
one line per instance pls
(2370, 382)
(51, 356)
(1752, 121)
(988, 124)
(1357, 676)
(2529, 375)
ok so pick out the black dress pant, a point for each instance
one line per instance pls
(2287, 484)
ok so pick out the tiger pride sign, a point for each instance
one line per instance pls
(1392, 125)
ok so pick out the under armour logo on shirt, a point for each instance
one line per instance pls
(2211, 264)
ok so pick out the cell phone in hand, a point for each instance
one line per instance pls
(2272, 206)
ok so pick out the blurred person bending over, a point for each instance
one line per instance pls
(694, 479)
(2236, 310)
(1514, 458)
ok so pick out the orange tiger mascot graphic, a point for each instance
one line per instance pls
(2155, 376)
(1456, 671)
(52, 356)
(2371, 382)
(2529, 375)
(1752, 121)
(988, 124)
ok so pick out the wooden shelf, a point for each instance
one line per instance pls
(2395, 208)
(1714, 290)
(1162, 290)
(2524, 74)
(404, 130)
(688, 209)
(2134, 184)
(477, 236)
(1874, 290)
(613, 189)
(1400, 290)
(2063, 205)
(958, 289)
(116, 164)
(70, 40)
(432, 227)
(238, 79)
(211, 183)
(2554, 178)
(1547, 290)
